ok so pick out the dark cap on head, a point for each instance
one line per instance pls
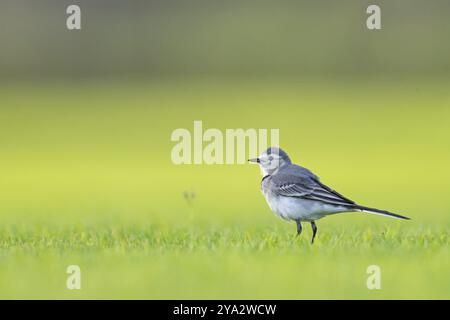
(280, 152)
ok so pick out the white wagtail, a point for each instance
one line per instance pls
(295, 193)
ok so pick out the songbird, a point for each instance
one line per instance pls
(295, 193)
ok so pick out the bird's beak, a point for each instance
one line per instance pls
(254, 160)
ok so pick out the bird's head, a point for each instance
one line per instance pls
(271, 160)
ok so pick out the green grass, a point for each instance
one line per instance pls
(86, 179)
(156, 262)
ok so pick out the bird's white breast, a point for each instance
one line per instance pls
(296, 208)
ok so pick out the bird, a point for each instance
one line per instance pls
(294, 193)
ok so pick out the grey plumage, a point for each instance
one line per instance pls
(295, 193)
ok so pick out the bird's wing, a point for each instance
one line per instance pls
(290, 185)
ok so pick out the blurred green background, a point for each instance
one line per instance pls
(86, 176)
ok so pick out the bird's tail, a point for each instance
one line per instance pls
(379, 212)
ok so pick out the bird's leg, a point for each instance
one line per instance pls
(314, 229)
(299, 227)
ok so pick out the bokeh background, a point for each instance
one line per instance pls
(86, 176)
